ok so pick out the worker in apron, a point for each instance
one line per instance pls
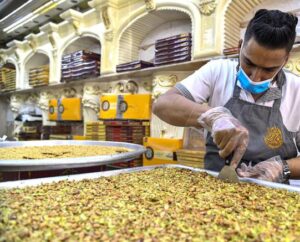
(252, 117)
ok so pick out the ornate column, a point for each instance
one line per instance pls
(43, 104)
(107, 9)
(16, 103)
(75, 18)
(21, 50)
(90, 102)
(52, 32)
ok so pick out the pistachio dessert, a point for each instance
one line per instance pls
(164, 204)
(61, 151)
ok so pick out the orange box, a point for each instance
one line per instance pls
(79, 137)
(126, 106)
(70, 109)
(53, 112)
(161, 151)
(108, 107)
(65, 109)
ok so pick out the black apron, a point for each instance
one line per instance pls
(268, 136)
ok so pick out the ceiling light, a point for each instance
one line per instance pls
(31, 16)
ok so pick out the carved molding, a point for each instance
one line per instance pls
(289, 66)
(74, 18)
(43, 101)
(32, 98)
(147, 86)
(163, 83)
(207, 7)
(105, 18)
(31, 40)
(119, 88)
(131, 87)
(16, 55)
(293, 65)
(16, 102)
(52, 41)
(150, 5)
(90, 97)
(109, 35)
(69, 92)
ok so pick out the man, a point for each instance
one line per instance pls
(253, 116)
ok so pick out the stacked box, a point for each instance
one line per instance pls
(127, 131)
(95, 131)
(134, 65)
(173, 49)
(39, 76)
(7, 79)
(193, 158)
(126, 106)
(48, 131)
(60, 137)
(80, 65)
(30, 131)
(193, 151)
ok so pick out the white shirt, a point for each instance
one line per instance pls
(214, 83)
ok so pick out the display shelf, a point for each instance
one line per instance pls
(137, 41)
(184, 66)
(35, 62)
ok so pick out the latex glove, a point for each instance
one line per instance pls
(228, 133)
(269, 170)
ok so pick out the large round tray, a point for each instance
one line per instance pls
(62, 163)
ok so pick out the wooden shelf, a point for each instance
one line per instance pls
(184, 66)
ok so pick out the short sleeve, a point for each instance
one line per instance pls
(198, 87)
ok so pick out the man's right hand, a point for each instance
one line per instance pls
(228, 133)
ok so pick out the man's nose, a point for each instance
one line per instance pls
(256, 75)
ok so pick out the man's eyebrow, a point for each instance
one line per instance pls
(249, 62)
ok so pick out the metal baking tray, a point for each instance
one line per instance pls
(63, 163)
(40, 181)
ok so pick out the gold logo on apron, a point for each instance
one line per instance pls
(273, 138)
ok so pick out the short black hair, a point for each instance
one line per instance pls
(272, 29)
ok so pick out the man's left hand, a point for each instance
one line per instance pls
(269, 170)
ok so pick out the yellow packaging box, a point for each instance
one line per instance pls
(126, 106)
(65, 109)
(70, 109)
(108, 107)
(161, 151)
(53, 110)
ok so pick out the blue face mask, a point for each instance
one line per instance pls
(250, 86)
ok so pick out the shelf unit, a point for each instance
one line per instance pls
(184, 66)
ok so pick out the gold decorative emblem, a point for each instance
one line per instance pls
(273, 138)
(207, 7)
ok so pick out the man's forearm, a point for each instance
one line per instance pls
(294, 166)
(177, 110)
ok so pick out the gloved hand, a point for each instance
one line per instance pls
(228, 133)
(269, 170)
